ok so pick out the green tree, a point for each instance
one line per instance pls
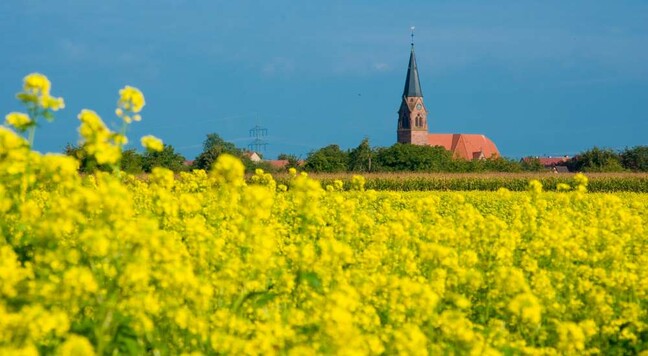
(360, 158)
(131, 161)
(167, 158)
(596, 160)
(214, 140)
(293, 161)
(635, 159)
(87, 164)
(407, 157)
(214, 146)
(531, 164)
(328, 159)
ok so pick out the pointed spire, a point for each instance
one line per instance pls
(412, 83)
(412, 43)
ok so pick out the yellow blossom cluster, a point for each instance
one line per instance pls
(36, 90)
(130, 103)
(98, 140)
(18, 120)
(38, 102)
(152, 143)
(207, 263)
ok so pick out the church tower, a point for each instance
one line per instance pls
(412, 115)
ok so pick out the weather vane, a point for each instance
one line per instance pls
(412, 29)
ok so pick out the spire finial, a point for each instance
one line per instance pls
(412, 29)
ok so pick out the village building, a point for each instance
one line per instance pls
(413, 124)
(554, 164)
(550, 162)
(278, 163)
(253, 156)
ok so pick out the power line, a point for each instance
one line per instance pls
(258, 143)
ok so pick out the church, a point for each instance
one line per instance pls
(413, 124)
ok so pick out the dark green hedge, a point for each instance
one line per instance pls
(637, 183)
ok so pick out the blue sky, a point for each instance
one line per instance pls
(537, 77)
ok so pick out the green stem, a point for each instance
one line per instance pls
(117, 167)
(32, 133)
(123, 133)
(33, 115)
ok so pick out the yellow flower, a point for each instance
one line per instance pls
(526, 307)
(51, 103)
(99, 141)
(571, 339)
(338, 185)
(357, 183)
(152, 143)
(581, 182)
(162, 177)
(120, 139)
(107, 153)
(18, 120)
(580, 179)
(10, 142)
(535, 186)
(92, 120)
(229, 170)
(37, 99)
(36, 83)
(131, 99)
(76, 345)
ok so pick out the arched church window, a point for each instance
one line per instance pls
(419, 121)
(405, 122)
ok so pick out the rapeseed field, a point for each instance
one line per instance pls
(209, 263)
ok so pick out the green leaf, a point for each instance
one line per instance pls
(312, 279)
(48, 115)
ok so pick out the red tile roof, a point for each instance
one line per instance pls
(466, 146)
(552, 161)
(548, 161)
(278, 163)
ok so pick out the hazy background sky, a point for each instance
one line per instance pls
(537, 77)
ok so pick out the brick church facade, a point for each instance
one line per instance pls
(413, 124)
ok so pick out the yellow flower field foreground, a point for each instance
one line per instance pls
(206, 263)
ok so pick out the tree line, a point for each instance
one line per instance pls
(364, 158)
(400, 158)
(413, 158)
